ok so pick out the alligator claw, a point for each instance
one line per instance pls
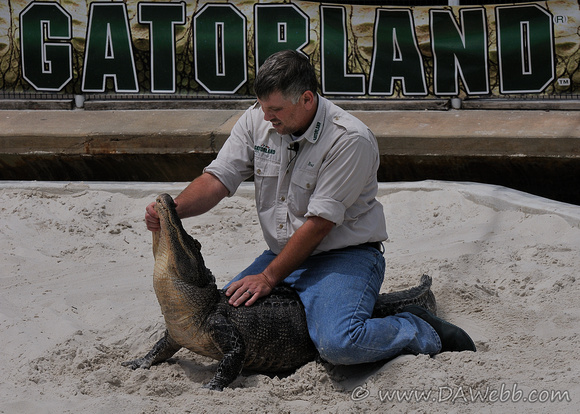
(143, 363)
(214, 386)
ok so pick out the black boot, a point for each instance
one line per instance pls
(453, 338)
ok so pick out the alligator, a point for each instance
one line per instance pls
(269, 336)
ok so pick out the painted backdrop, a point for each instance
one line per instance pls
(212, 48)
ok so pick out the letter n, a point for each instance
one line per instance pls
(459, 52)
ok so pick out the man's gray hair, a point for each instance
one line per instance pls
(288, 72)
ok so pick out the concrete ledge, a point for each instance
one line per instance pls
(533, 151)
(394, 104)
(538, 105)
(489, 133)
(41, 104)
(177, 104)
(156, 103)
(115, 132)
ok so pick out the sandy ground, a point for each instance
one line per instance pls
(76, 299)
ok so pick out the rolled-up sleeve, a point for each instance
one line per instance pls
(327, 208)
(234, 162)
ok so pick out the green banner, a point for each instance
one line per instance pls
(212, 48)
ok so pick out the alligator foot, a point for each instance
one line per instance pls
(144, 363)
(164, 349)
(214, 385)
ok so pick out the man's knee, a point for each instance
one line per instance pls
(338, 350)
(354, 347)
(336, 355)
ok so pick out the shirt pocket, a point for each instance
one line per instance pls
(266, 172)
(302, 186)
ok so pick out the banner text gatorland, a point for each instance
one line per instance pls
(205, 48)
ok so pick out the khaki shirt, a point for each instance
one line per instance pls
(331, 174)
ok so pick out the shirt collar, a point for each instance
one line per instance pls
(314, 131)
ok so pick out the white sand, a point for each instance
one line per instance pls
(76, 299)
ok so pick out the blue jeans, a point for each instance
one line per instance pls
(339, 289)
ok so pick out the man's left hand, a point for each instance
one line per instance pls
(248, 290)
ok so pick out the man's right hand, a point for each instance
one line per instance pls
(201, 195)
(152, 218)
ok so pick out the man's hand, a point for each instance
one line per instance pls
(249, 289)
(152, 218)
(302, 243)
(200, 196)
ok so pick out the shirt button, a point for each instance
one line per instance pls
(259, 171)
(281, 226)
(282, 198)
(307, 185)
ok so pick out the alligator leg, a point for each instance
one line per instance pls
(164, 349)
(229, 341)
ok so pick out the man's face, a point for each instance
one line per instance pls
(287, 117)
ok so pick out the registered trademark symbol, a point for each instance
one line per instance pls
(560, 19)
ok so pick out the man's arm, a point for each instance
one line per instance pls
(200, 196)
(299, 247)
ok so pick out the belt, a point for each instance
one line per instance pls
(375, 245)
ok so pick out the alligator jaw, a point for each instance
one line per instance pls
(184, 287)
(179, 249)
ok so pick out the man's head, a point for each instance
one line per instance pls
(286, 88)
(288, 72)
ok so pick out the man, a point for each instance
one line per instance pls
(314, 168)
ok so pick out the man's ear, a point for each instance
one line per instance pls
(309, 100)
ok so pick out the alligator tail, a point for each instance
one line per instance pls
(391, 303)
